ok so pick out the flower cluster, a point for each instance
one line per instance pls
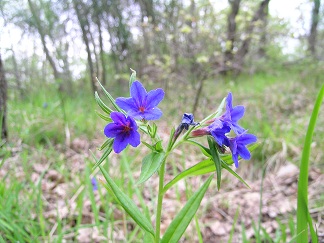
(140, 106)
(220, 127)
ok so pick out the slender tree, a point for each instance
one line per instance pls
(243, 50)
(42, 34)
(313, 30)
(231, 34)
(3, 102)
(82, 15)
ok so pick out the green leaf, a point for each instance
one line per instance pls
(103, 156)
(150, 165)
(216, 113)
(181, 221)
(102, 105)
(132, 77)
(204, 150)
(108, 142)
(303, 217)
(215, 156)
(204, 167)
(111, 99)
(171, 141)
(104, 117)
(158, 146)
(128, 205)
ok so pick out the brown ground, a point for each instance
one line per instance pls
(217, 212)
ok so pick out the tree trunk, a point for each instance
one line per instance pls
(313, 31)
(17, 73)
(43, 35)
(84, 27)
(263, 30)
(241, 53)
(98, 16)
(231, 34)
(3, 103)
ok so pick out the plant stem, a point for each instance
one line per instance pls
(159, 202)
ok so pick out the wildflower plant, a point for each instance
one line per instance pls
(130, 117)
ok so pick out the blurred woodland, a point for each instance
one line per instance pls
(71, 42)
(53, 51)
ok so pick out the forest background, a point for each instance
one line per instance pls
(269, 54)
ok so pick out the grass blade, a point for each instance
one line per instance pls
(302, 199)
(180, 223)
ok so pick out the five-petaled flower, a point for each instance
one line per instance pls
(142, 104)
(238, 144)
(124, 130)
(220, 127)
(232, 115)
(218, 130)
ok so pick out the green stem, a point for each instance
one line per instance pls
(159, 202)
(171, 146)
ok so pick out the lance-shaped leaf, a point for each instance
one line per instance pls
(104, 117)
(180, 223)
(102, 105)
(128, 205)
(303, 216)
(215, 156)
(150, 164)
(204, 167)
(111, 99)
(132, 77)
(106, 153)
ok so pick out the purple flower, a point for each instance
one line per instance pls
(94, 183)
(187, 120)
(233, 114)
(218, 130)
(124, 130)
(238, 144)
(142, 104)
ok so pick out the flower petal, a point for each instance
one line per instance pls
(229, 100)
(118, 117)
(120, 143)
(243, 152)
(235, 159)
(152, 114)
(154, 97)
(134, 138)
(237, 128)
(111, 130)
(237, 113)
(247, 139)
(126, 103)
(138, 93)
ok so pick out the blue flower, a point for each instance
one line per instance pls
(124, 130)
(218, 130)
(187, 120)
(233, 114)
(238, 144)
(142, 104)
(94, 183)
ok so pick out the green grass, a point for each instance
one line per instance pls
(278, 108)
